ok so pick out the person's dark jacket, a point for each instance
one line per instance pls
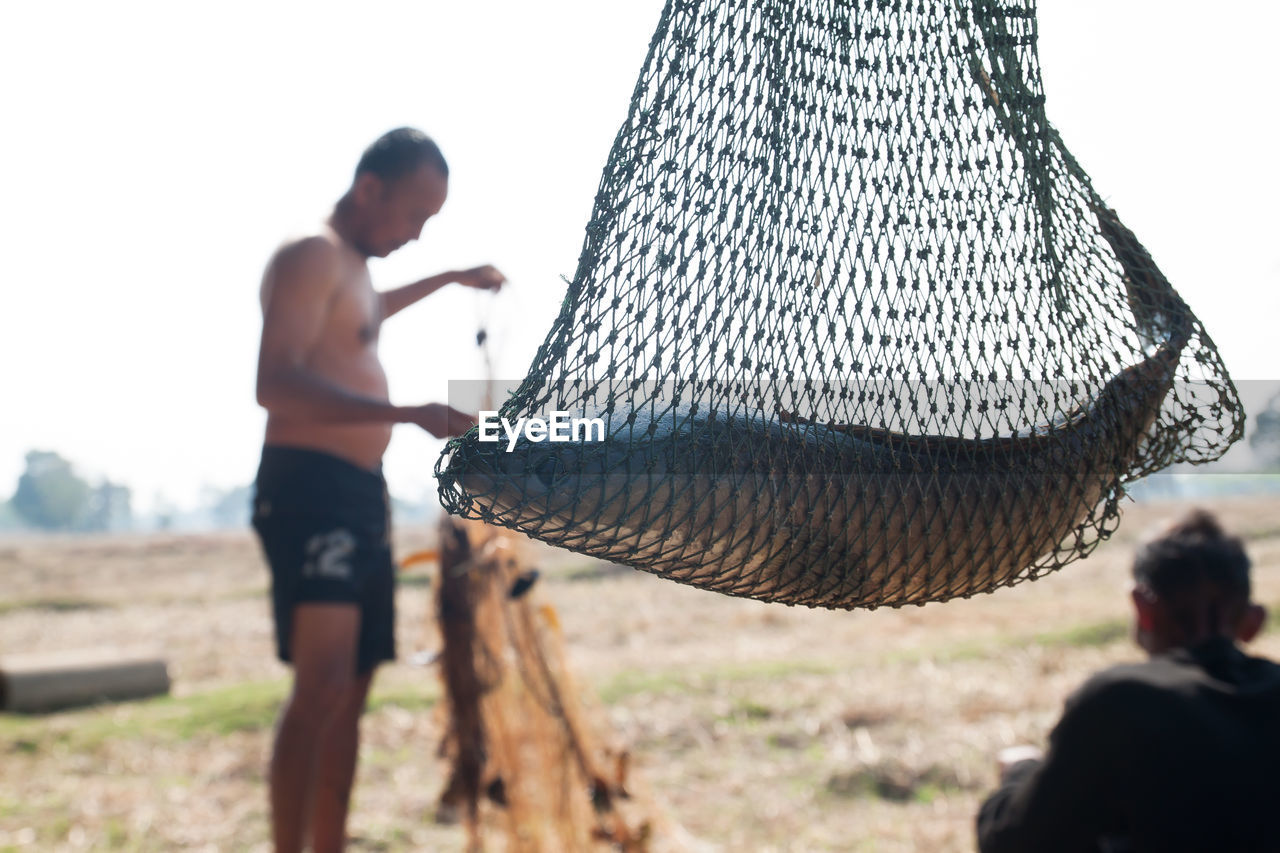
(1179, 753)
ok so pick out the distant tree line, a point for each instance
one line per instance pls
(51, 495)
(1265, 438)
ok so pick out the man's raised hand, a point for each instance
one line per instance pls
(481, 278)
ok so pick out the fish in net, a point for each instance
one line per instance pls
(856, 327)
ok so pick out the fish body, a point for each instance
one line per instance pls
(774, 507)
(752, 504)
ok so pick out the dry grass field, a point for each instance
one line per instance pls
(753, 727)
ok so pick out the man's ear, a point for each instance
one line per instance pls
(1144, 607)
(1255, 616)
(367, 189)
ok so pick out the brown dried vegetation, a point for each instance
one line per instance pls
(749, 726)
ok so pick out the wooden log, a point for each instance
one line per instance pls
(50, 681)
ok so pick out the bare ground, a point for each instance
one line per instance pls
(752, 726)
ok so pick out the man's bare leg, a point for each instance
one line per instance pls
(323, 648)
(336, 770)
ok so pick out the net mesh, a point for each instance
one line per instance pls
(856, 327)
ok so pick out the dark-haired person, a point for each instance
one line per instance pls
(320, 505)
(1177, 753)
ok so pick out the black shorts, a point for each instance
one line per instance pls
(325, 530)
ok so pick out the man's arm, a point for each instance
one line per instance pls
(1060, 803)
(481, 278)
(303, 281)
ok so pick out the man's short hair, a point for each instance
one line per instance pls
(400, 152)
(1192, 552)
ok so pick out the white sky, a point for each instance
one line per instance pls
(155, 153)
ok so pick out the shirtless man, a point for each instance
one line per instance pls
(320, 505)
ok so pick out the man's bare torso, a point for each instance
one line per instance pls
(344, 352)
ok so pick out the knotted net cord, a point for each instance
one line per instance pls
(859, 328)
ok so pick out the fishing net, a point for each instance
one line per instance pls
(855, 325)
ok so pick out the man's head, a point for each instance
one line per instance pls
(1191, 583)
(402, 180)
